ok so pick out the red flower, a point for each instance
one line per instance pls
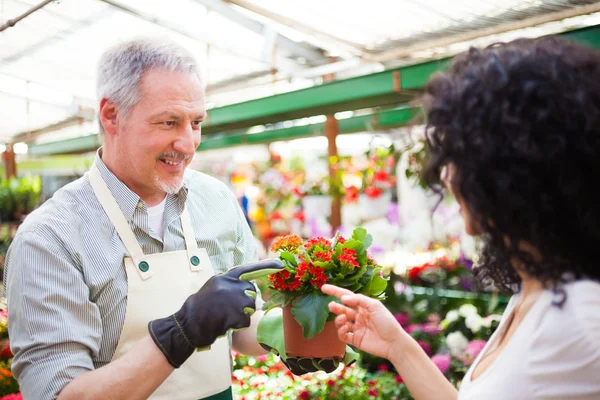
(276, 216)
(341, 239)
(304, 395)
(372, 392)
(319, 277)
(323, 256)
(330, 382)
(317, 242)
(384, 367)
(5, 352)
(381, 176)
(299, 215)
(296, 191)
(352, 193)
(348, 258)
(373, 192)
(399, 379)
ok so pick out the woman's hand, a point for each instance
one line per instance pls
(364, 322)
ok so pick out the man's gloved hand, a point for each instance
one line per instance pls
(270, 337)
(225, 302)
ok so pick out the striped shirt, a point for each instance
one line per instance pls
(65, 276)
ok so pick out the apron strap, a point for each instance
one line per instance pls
(191, 246)
(112, 209)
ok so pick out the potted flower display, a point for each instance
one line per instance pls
(308, 325)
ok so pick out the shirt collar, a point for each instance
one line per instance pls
(127, 199)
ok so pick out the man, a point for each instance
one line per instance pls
(111, 283)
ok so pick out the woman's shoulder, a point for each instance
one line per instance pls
(565, 344)
(583, 302)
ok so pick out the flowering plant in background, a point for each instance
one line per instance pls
(9, 387)
(379, 173)
(264, 378)
(443, 272)
(311, 264)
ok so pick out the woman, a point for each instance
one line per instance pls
(514, 131)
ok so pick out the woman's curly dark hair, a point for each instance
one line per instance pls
(521, 123)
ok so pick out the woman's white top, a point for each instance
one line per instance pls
(553, 354)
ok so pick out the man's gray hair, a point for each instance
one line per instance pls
(121, 68)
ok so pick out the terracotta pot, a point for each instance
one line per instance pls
(325, 344)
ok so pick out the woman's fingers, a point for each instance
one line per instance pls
(340, 309)
(344, 328)
(334, 291)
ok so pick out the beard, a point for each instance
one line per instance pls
(172, 187)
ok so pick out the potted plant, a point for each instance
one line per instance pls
(308, 325)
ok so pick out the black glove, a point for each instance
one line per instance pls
(270, 337)
(225, 302)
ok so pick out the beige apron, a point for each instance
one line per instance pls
(158, 285)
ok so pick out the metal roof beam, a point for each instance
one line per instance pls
(177, 28)
(334, 42)
(12, 22)
(406, 51)
(311, 54)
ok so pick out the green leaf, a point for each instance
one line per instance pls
(270, 332)
(376, 285)
(311, 311)
(362, 236)
(289, 257)
(278, 299)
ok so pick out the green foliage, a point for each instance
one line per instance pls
(19, 196)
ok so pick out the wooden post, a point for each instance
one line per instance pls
(332, 129)
(10, 163)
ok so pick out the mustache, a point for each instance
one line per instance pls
(175, 155)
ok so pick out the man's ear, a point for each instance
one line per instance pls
(108, 116)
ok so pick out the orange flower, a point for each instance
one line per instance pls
(291, 243)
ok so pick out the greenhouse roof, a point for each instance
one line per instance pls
(248, 48)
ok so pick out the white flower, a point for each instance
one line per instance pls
(457, 343)
(467, 309)
(451, 316)
(474, 322)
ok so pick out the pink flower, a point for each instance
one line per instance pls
(402, 319)
(411, 328)
(473, 350)
(431, 328)
(425, 346)
(442, 361)
(16, 396)
(262, 358)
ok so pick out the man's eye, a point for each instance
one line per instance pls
(197, 123)
(168, 123)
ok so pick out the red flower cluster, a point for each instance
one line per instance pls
(317, 242)
(319, 278)
(285, 281)
(324, 256)
(306, 272)
(441, 263)
(348, 258)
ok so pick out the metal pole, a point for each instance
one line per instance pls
(11, 22)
